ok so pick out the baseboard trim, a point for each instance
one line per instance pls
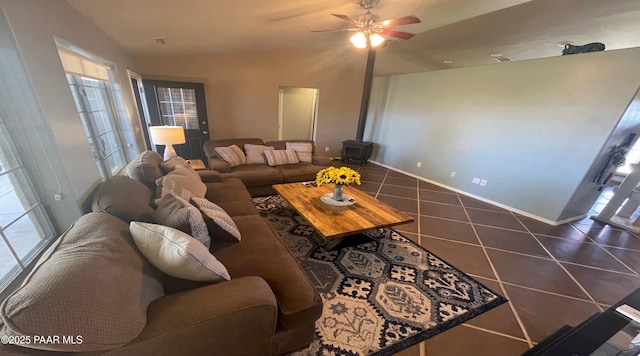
(485, 200)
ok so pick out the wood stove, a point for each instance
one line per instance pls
(356, 150)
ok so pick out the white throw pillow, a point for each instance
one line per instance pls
(176, 253)
(303, 149)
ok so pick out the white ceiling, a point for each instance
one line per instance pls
(464, 31)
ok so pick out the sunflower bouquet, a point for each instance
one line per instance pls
(338, 176)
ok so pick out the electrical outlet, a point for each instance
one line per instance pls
(57, 197)
(453, 173)
(419, 164)
(326, 149)
(483, 182)
(475, 180)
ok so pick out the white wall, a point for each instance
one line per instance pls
(35, 24)
(532, 129)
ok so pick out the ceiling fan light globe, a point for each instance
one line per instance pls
(376, 40)
(359, 40)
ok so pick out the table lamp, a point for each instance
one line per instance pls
(168, 136)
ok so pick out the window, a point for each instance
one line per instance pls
(92, 88)
(25, 228)
(178, 107)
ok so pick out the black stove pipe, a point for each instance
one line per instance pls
(366, 94)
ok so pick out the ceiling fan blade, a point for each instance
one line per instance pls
(397, 34)
(336, 30)
(407, 20)
(347, 18)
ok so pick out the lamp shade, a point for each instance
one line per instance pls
(167, 135)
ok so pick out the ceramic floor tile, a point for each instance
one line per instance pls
(411, 227)
(467, 258)
(582, 253)
(409, 183)
(543, 313)
(439, 197)
(446, 211)
(373, 178)
(501, 318)
(411, 236)
(630, 258)
(605, 287)
(464, 341)
(510, 240)
(430, 186)
(448, 229)
(401, 175)
(402, 204)
(564, 230)
(533, 272)
(612, 237)
(411, 351)
(369, 187)
(493, 218)
(403, 192)
(479, 204)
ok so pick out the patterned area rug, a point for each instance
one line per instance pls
(381, 292)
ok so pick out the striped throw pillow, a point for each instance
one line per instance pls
(232, 155)
(280, 157)
(303, 149)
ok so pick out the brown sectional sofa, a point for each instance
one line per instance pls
(269, 306)
(258, 178)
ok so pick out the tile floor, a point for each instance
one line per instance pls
(552, 275)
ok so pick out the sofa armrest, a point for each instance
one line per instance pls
(219, 165)
(321, 160)
(209, 176)
(236, 317)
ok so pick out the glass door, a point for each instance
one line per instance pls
(180, 104)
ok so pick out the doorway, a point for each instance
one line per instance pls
(179, 104)
(298, 109)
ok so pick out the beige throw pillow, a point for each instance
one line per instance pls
(176, 253)
(304, 150)
(232, 155)
(221, 226)
(254, 153)
(280, 157)
(173, 211)
(172, 163)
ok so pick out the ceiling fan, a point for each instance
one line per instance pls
(370, 29)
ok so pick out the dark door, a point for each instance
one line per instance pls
(179, 104)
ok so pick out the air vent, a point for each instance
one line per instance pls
(503, 59)
(160, 40)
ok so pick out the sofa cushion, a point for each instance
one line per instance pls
(125, 198)
(255, 153)
(184, 178)
(282, 144)
(174, 211)
(221, 226)
(303, 150)
(146, 168)
(280, 157)
(299, 172)
(176, 253)
(298, 301)
(255, 174)
(92, 281)
(232, 155)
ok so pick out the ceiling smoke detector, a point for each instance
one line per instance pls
(447, 61)
(495, 54)
(160, 40)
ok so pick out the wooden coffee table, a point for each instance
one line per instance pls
(334, 223)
